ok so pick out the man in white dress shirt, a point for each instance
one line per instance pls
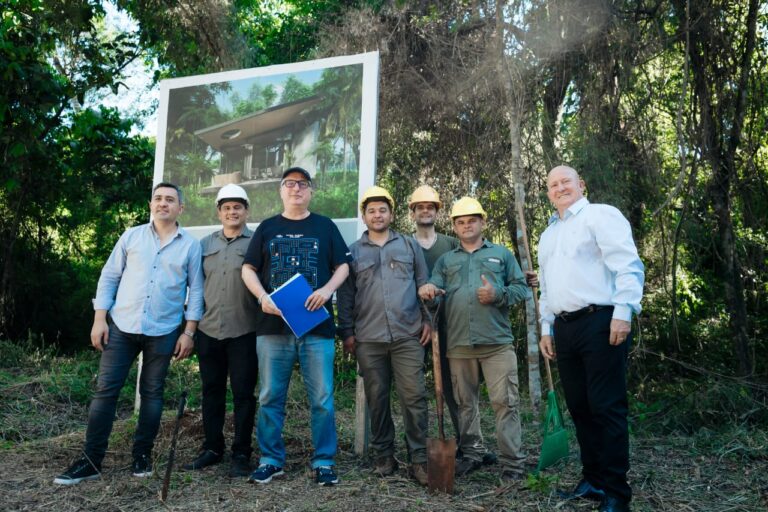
(591, 285)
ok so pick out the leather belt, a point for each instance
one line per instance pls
(570, 316)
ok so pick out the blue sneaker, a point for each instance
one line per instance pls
(326, 476)
(264, 473)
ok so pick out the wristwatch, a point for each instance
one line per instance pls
(190, 334)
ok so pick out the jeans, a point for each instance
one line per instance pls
(594, 377)
(234, 358)
(402, 360)
(500, 372)
(116, 361)
(277, 354)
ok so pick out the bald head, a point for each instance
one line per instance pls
(564, 169)
(564, 187)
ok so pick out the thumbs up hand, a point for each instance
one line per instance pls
(486, 294)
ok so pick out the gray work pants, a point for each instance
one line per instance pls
(402, 360)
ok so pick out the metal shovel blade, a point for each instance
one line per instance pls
(441, 464)
(554, 446)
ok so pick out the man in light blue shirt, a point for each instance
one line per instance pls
(139, 307)
(591, 285)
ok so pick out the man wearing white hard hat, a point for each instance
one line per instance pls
(226, 336)
(481, 281)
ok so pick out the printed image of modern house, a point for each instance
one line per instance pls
(257, 148)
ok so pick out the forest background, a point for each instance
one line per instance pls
(662, 105)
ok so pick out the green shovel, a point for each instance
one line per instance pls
(554, 446)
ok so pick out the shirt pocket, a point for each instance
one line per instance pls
(237, 259)
(452, 277)
(495, 267)
(211, 264)
(364, 270)
(402, 267)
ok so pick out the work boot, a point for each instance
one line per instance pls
(385, 465)
(419, 472)
(240, 465)
(489, 458)
(204, 459)
(465, 466)
(513, 475)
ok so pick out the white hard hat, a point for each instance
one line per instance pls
(232, 192)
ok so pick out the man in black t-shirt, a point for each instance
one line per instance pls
(295, 241)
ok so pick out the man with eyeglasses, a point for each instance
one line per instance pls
(296, 240)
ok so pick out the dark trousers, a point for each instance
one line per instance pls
(114, 365)
(594, 374)
(401, 361)
(234, 358)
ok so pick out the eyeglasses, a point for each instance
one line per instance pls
(303, 185)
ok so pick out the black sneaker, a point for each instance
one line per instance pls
(326, 476)
(204, 459)
(264, 473)
(142, 466)
(80, 470)
(240, 465)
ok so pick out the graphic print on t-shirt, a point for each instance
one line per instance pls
(291, 255)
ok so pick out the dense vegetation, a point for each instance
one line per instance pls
(661, 104)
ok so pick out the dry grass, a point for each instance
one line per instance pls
(698, 473)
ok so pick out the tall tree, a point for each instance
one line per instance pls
(723, 39)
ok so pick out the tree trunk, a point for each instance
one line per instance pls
(722, 157)
(513, 94)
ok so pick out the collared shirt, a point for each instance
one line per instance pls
(589, 257)
(144, 283)
(230, 309)
(378, 301)
(458, 273)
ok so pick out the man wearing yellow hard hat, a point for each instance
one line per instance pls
(481, 281)
(382, 323)
(424, 206)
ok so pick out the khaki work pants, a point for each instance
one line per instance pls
(500, 372)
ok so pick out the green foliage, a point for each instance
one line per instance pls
(71, 177)
(35, 381)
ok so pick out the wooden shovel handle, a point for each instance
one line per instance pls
(534, 289)
(438, 373)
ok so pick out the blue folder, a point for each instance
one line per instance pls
(290, 299)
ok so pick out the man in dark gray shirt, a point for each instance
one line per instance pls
(226, 340)
(382, 324)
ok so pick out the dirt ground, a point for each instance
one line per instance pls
(670, 473)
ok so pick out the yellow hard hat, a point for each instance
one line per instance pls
(467, 206)
(425, 194)
(377, 192)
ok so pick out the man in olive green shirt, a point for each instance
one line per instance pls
(481, 280)
(226, 339)
(424, 205)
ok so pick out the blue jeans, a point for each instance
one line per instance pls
(277, 355)
(116, 361)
